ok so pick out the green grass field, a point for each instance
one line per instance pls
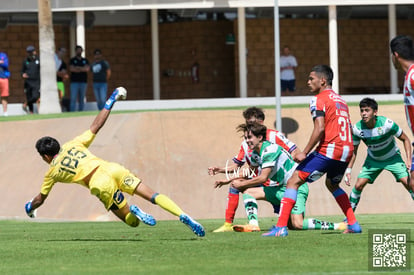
(33, 247)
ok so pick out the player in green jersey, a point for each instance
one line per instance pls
(275, 164)
(378, 133)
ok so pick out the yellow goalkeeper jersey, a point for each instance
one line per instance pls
(72, 164)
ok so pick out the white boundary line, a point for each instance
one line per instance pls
(130, 105)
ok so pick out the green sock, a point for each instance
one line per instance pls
(315, 224)
(412, 194)
(250, 204)
(354, 198)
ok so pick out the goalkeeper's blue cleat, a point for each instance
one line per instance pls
(355, 228)
(142, 216)
(197, 228)
(276, 232)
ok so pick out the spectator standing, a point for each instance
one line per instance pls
(61, 72)
(288, 66)
(31, 75)
(79, 68)
(4, 81)
(101, 73)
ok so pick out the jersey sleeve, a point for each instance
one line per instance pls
(317, 108)
(278, 138)
(395, 129)
(86, 138)
(5, 59)
(356, 135)
(47, 185)
(241, 158)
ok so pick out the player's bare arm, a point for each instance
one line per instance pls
(213, 170)
(295, 153)
(407, 148)
(31, 206)
(38, 200)
(220, 183)
(317, 133)
(347, 177)
(260, 179)
(119, 93)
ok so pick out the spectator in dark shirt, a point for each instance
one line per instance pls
(101, 74)
(79, 67)
(31, 74)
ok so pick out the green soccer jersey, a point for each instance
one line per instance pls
(273, 155)
(380, 139)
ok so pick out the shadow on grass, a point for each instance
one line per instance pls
(96, 240)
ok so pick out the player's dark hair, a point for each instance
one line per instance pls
(369, 102)
(242, 128)
(47, 146)
(324, 71)
(253, 112)
(257, 129)
(403, 45)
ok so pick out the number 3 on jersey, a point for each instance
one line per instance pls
(345, 129)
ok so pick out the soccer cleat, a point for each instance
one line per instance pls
(342, 226)
(197, 228)
(353, 229)
(226, 227)
(246, 228)
(276, 232)
(142, 216)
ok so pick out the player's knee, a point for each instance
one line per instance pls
(131, 220)
(296, 223)
(248, 191)
(359, 187)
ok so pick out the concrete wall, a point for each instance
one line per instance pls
(170, 151)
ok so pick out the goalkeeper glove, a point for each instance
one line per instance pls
(119, 93)
(29, 211)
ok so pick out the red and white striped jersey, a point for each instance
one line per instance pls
(409, 97)
(336, 143)
(273, 136)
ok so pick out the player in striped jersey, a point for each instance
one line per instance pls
(252, 114)
(378, 133)
(332, 133)
(276, 166)
(402, 49)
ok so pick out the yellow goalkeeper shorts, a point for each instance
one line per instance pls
(108, 179)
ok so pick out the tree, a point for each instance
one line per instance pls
(49, 101)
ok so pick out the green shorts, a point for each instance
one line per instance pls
(372, 168)
(61, 88)
(274, 195)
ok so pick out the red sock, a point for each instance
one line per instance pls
(232, 204)
(286, 206)
(345, 205)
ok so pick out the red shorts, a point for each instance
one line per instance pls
(4, 87)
